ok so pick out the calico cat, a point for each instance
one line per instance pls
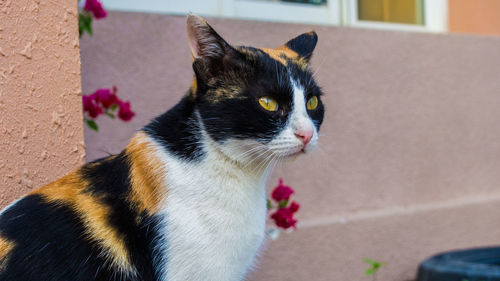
(185, 200)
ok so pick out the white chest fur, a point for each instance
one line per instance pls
(215, 219)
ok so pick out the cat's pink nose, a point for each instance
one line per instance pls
(304, 135)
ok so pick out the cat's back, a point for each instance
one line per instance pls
(88, 225)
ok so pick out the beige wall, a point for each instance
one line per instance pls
(409, 154)
(474, 16)
(41, 136)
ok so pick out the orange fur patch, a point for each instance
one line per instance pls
(194, 88)
(6, 247)
(146, 175)
(281, 54)
(70, 191)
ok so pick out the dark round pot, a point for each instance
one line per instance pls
(481, 264)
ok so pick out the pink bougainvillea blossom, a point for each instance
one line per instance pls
(95, 7)
(283, 217)
(125, 113)
(105, 101)
(90, 106)
(281, 192)
(285, 210)
(107, 97)
(294, 207)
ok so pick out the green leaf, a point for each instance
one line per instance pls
(370, 271)
(84, 23)
(269, 205)
(374, 266)
(283, 203)
(92, 125)
(114, 106)
(368, 261)
(110, 115)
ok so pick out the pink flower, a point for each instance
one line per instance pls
(95, 7)
(107, 97)
(283, 217)
(294, 207)
(282, 192)
(125, 113)
(90, 105)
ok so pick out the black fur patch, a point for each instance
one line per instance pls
(49, 237)
(49, 244)
(178, 131)
(109, 179)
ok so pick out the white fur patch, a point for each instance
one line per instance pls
(215, 217)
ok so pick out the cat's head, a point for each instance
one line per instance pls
(255, 103)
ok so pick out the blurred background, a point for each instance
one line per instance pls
(409, 158)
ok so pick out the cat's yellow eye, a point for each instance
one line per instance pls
(312, 103)
(268, 103)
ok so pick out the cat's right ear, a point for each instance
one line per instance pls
(210, 52)
(204, 42)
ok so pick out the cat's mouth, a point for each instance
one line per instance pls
(306, 149)
(296, 153)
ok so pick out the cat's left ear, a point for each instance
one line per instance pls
(303, 44)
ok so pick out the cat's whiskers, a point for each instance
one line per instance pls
(277, 159)
(264, 164)
(256, 167)
(256, 158)
(274, 161)
(249, 152)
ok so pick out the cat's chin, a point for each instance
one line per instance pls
(293, 156)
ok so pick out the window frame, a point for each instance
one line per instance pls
(202, 7)
(435, 18)
(335, 12)
(327, 14)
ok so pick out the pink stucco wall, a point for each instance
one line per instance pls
(409, 152)
(41, 135)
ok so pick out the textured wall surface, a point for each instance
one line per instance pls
(41, 135)
(409, 156)
(477, 16)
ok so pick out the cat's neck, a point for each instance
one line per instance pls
(178, 131)
(213, 178)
